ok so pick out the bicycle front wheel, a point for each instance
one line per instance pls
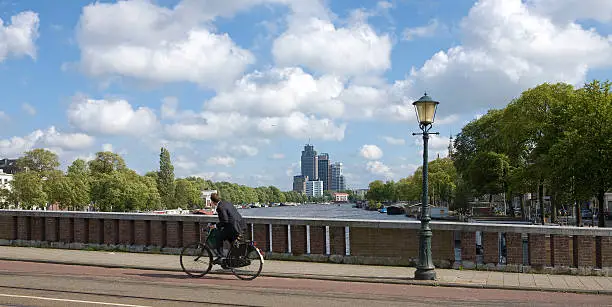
(196, 259)
(246, 266)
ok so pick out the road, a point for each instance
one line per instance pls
(41, 284)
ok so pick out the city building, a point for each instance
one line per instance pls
(314, 188)
(309, 162)
(337, 179)
(5, 180)
(324, 170)
(299, 183)
(8, 166)
(206, 196)
(341, 197)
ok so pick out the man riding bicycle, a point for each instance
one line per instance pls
(230, 225)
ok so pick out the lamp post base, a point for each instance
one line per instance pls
(425, 274)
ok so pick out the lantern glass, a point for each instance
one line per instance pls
(425, 108)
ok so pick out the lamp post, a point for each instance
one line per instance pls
(425, 109)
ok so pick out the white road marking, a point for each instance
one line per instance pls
(67, 300)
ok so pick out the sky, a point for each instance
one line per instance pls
(235, 88)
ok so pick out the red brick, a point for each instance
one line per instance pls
(537, 250)
(317, 240)
(605, 252)
(81, 230)
(298, 239)
(142, 232)
(126, 232)
(38, 228)
(279, 238)
(384, 242)
(52, 229)
(111, 232)
(158, 233)
(514, 248)
(585, 251)
(174, 234)
(261, 237)
(468, 246)
(190, 232)
(8, 227)
(96, 231)
(66, 230)
(490, 246)
(443, 245)
(561, 253)
(337, 241)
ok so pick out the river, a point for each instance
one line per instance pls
(332, 211)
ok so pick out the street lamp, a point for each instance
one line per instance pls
(425, 109)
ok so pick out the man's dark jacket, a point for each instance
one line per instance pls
(229, 217)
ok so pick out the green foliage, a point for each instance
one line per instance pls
(39, 161)
(165, 179)
(105, 163)
(28, 191)
(187, 195)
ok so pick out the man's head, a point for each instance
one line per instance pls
(214, 197)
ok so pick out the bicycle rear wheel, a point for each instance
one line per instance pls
(196, 259)
(247, 263)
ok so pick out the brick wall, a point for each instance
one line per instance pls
(585, 247)
(111, 232)
(96, 231)
(537, 250)
(174, 229)
(24, 231)
(52, 229)
(66, 230)
(190, 232)
(126, 232)
(490, 246)
(38, 228)
(279, 239)
(158, 233)
(514, 248)
(605, 256)
(468, 246)
(562, 254)
(298, 239)
(443, 245)
(317, 240)
(8, 229)
(384, 242)
(337, 241)
(261, 237)
(81, 230)
(142, 232)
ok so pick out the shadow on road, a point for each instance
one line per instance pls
(177, 276)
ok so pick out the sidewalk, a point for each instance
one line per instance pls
(326, 271)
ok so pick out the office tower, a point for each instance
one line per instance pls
(299, 183)
(314, 188)
(337, 179)
(309, 162)
(324, 173)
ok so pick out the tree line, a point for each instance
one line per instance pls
(553, 137)
(107, 184)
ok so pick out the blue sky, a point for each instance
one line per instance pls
(235, 88)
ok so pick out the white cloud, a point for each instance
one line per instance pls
(221, 160)
(139, 39)
(28, 108)
(244, 150)
(184, 163)
(563, 11)
(278, 156)
(422, 31)
(18, 37)
(107, 147)
(371, 152)
(214, 176)
(508, 46)
(3, 116)
(378, 168)
(113, 117)
(435, 142)
(394, 141)
(51, 139)
(316, 43)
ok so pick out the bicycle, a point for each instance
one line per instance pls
(242, 254)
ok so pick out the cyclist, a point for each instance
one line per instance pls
(230, 224)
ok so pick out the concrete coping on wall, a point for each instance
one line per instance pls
(408, 224)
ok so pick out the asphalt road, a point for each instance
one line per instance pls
(40, 284)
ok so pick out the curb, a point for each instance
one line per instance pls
(385, 280)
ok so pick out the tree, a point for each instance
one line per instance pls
(38, 160)
(106, 162)
(27, 189)
(165, 179)
(187, 194)
(583, 155)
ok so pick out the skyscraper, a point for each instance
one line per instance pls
(337, 179)
(299, 183)
(309, 162)
(324, 173)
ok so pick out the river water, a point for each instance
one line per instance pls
(332, 211)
